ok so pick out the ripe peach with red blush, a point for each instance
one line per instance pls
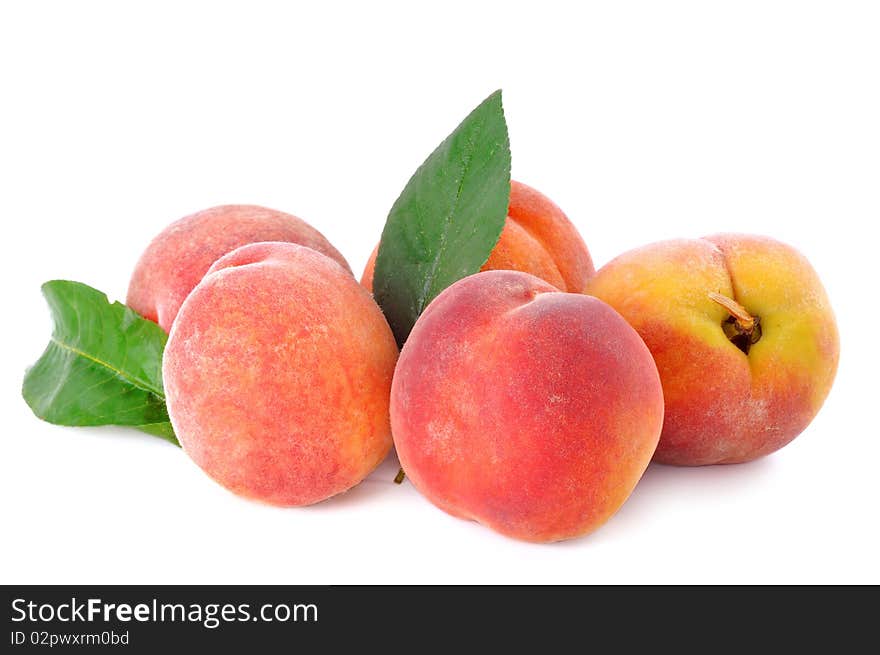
(530, 410)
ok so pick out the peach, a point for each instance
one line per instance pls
(530, 410)
(537, 238)
(743, 336)
(277, 375)
(181, 254)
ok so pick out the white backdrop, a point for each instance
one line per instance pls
(643, 121)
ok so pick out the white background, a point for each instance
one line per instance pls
(643, 121)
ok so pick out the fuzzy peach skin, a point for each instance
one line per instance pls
(722, 405)
(537, 238)
(277, 375)
(530, 410)
(181, 254)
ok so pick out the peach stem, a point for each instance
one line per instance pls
(399, 477)
(745, 320)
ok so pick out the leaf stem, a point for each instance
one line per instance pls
(745, 320)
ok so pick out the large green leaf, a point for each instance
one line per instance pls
(103, 364)
(447, 219)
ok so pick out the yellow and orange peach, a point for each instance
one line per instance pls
(182, 253)
(537, 238)
(277, 375)
(530, 410)
(743, 336)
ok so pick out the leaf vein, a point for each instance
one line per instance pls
(128, 377)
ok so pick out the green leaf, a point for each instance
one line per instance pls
(163, 430)
(103, 364)
(448, 218)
